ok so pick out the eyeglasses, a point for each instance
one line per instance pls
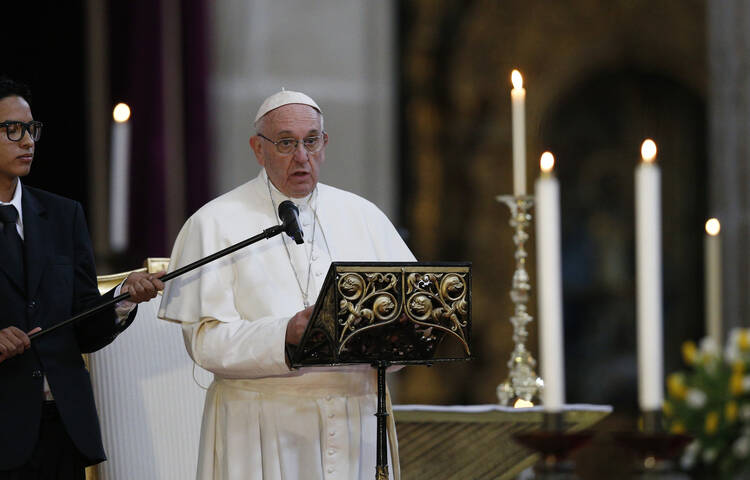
(15, 130)
(286, 146)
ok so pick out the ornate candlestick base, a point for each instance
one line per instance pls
(654, 449)
(555, 447)
(522, 382)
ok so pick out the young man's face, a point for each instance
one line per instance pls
(295, 174)
(15, 157)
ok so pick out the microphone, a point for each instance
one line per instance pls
(288, 213)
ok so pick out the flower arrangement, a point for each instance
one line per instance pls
(711, 402)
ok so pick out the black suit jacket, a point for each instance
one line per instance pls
(60, 282)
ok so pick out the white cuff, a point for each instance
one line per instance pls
(123, 307)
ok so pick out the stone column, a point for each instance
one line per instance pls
(729, 149)
(99, 119)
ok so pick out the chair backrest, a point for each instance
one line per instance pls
(149, 403)
(151, 265)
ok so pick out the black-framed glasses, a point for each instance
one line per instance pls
(15, 130)
(285, 146)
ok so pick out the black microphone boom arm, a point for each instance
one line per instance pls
(267, 233)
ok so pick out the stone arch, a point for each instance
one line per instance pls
(596, 137)
(455, 61)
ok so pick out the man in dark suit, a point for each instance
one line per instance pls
(48, 419)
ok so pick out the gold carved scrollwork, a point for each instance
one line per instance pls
(438, 301)
(381, 472)
(351, 286)
(367, 302)
(404, 313)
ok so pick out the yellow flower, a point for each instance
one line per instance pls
(689, 352)
(743, 340)
(677, 427)
(667, 409)
(738, 368)
(676, 386)
(730, 411)
(735, 384)
(712, 422)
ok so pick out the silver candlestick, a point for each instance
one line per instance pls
(522, 382)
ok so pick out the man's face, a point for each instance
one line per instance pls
(15, 157)
(294, 174)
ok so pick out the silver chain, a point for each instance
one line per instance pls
(304, 292)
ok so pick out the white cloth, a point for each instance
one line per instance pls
(149, 399)
(261, 420)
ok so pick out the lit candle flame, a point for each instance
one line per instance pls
(121, 113)
(648, 150)
(547, 162)
(516, 79)
(713, 226)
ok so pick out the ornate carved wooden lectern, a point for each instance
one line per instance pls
(384, 314)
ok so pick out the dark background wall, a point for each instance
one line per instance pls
(600, 77)
(152, 55)
(44, 48)
(596, 130)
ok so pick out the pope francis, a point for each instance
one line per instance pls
(261, 419)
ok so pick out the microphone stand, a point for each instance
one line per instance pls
(287, 226)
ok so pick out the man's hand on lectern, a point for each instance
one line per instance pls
(297, 324)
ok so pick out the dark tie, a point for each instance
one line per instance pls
(12, 245)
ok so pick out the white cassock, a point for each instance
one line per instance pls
(262, 420)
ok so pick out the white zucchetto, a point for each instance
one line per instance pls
(284, 97)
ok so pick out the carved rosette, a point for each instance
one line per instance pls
(438, 301)
(435, 304)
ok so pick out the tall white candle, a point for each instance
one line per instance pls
(712, 265)
(549, 271)
(119, 175)
(649, 279)
(518, 109)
